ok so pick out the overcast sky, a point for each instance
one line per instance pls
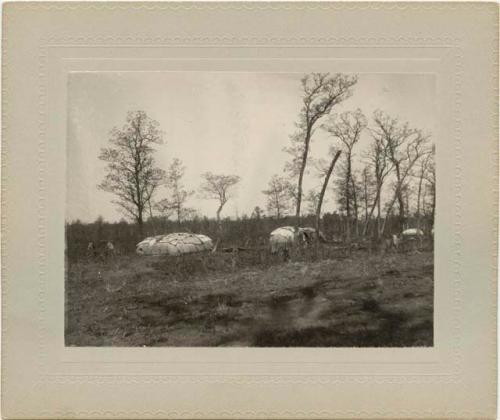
(230, 123)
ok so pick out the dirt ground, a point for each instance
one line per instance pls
(358, 300)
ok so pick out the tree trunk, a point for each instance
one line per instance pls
(379, 213)
(399, 188)
(396, 196)
(400, 199)
(424, 202)
(219, 228)
(219, 223)
(375, 202)
(140, 223)
(419, 193)
(178, 215)
(355, 202)
(388, 214)
(301, 176)
(407, 207)
(322, 193)
(278, 209)
(348, 201)
(366, 202)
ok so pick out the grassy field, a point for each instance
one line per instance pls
(343, 300)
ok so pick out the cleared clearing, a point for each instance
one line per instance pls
(356, 300)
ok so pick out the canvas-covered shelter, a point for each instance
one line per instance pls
(283, 237)
(174, 244)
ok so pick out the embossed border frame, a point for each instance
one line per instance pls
(44, 385)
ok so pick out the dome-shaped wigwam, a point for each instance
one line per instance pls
(174, 244)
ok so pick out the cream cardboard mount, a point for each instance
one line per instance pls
(68, 68)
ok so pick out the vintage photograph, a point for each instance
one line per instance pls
(242, 209)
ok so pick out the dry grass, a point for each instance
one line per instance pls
(326, 300)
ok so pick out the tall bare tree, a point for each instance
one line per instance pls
(347, 127)
(404, 146)
(178, 195)
(278, 196)
(326, 179)
(321, 92)
(367, 191)
(132, 175)
(422, 172)
(218, 187)
(413, 151)
(377, 159)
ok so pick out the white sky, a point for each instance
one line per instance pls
(231, 123)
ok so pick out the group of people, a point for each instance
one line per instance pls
(101, 249)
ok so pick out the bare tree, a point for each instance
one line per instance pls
(404, 146)
(278, 196)
(413, 151)
(422, 172)
(430, 177)
(218, 187)
(347, 127)
(321, 92)
(367, 191)
(355, 193)
(376, 157)
(344, 194)
(131, 172)
(326, 179)
(407, 192)
(178, 196)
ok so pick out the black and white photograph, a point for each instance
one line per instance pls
(229, 210)
(240, 209)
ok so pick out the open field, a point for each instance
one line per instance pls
(352, 300)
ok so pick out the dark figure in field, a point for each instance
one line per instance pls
(91, 249)
(310, 236)
(110, 248)
(103, 250)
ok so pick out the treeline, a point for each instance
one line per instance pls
(251, 232)
(386, 187)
